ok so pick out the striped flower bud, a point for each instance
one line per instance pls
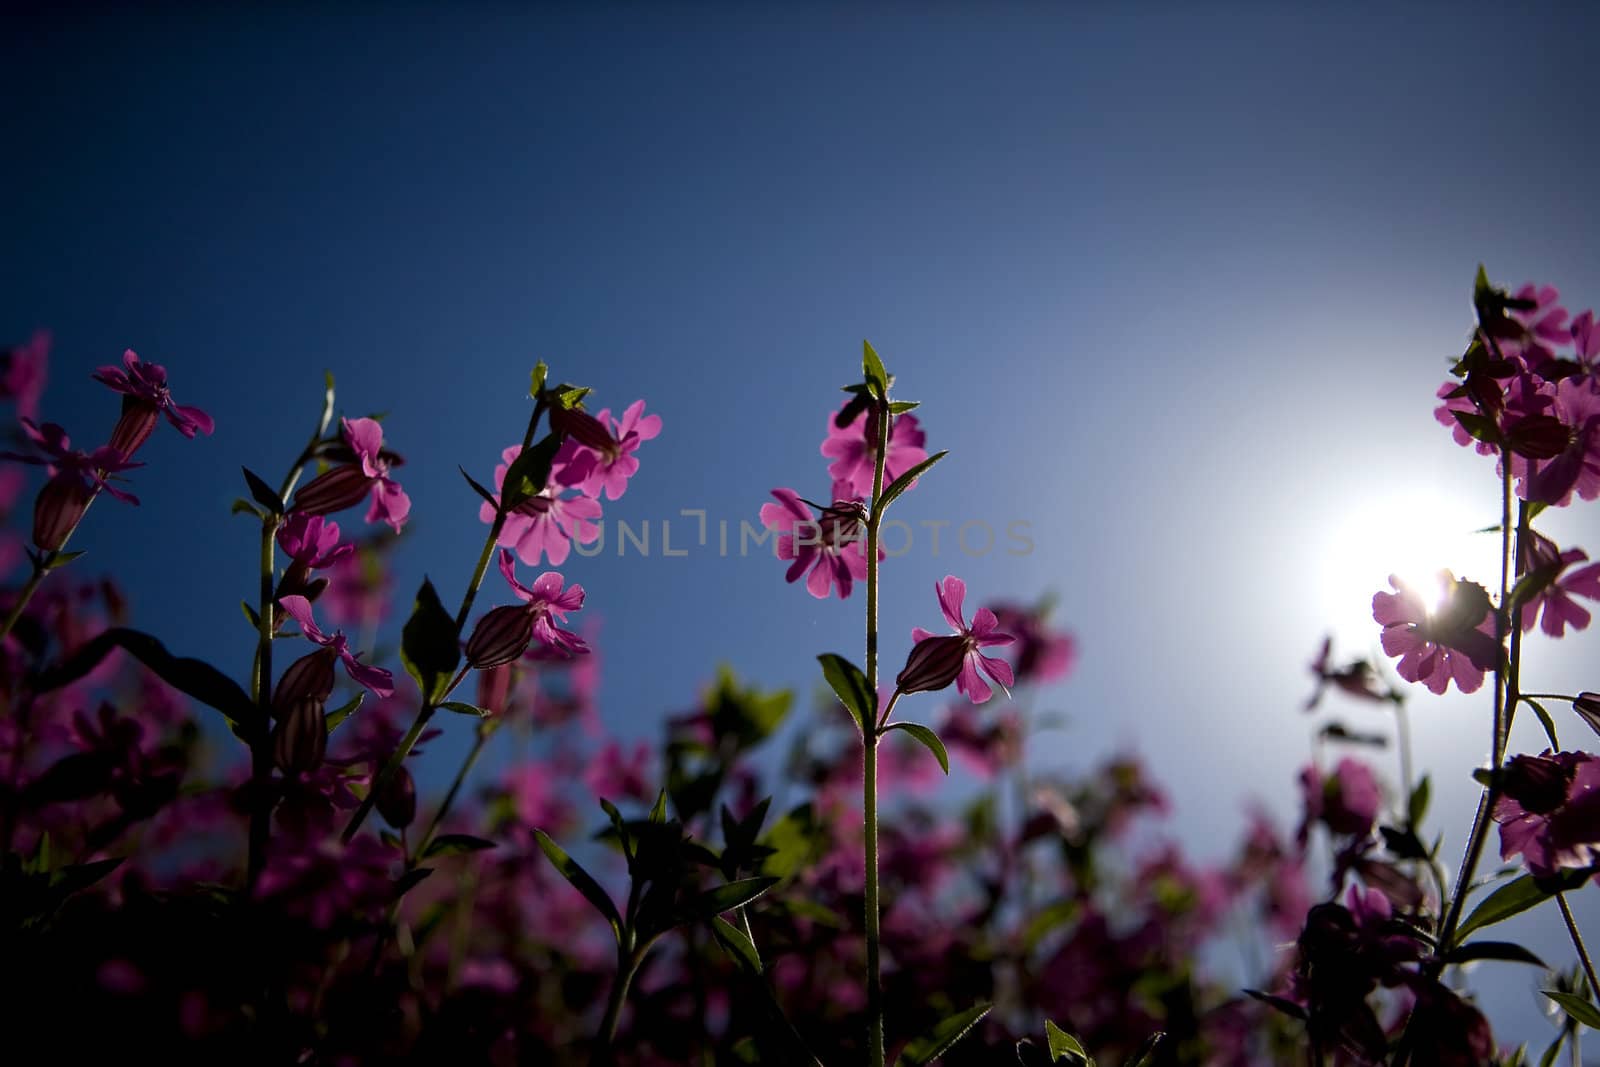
(57, 509)
(300, 739)
(397, 799)
(933, 664)
(135, 425)
(501, 636)
(334, 490)
(582, 427)
(309, 677)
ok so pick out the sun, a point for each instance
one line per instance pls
(1413, 536)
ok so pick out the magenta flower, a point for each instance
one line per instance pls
(853, 449)
(1355, 678)
(618, 775)
(547, 601)
(146, 397)
(1042, 653)
(1543, 325)
(1556, 598)
(1576, 467)
(544, 525)
(1455, 642)
(57, 456)
(831, 547)
(311, 541)
(346, 485)
(604, 460)
(22, 373)
(380, 681)
(1347, 801)
(1550, 813)
(1586, 343)
(983, 633)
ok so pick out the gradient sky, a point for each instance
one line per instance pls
(1175, 288)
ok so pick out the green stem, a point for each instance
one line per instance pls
(42, 565)
(627, 967)
(869, 749)
(455, 790)
(261, 744)
(1577, 943)
(425, 713)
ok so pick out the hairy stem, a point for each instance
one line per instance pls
(869, 752)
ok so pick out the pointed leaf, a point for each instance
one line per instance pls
(738, 945)
(581, 881)
(456, 845)
(461, 707)
(900, 407)
(61, 559)
(1507, 951)
(1147, 1051)
(345, 710)
(410, 880)
(476, 488)
(529, 473)
(727, 897)
(658, 813)
(1417, 806)
(1283, 1004)
(872, 368)
(893, 491)
(928, 738)
(1064, 1044)
(191, 677)
(938, 1040)
(537, 378)
(850, 686)
(1513, 898)
(263, 493)
(1546, 721)
(429, 644)
(1577, 1007)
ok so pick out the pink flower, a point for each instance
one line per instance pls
(346, 485)
(616, 775)
(831, 547)
(22, 373)
(604, 460)
(984, 632)
(547, 601)
(311, 541)
(1455, 642)
(145, 397)
(853, 450)
(1556, 598)
(1550, 813)
(545, 524)
(1586, 343)
(1576, 467)
(376, 679)
(1347, 801)
(1042, 653)
(57, 456)
(1355, 678)
(1543, 325)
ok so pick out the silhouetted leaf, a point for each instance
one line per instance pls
(928, 738)
(850, 686)
(429, 644)
(941, 1037)
(581, 881)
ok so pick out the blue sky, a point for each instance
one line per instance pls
(1174, 288)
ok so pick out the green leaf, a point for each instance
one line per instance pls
(727, 897)
(461, 707)
(1147, 1050)
(900, 407)
(536, 379)
(737, 943)
(658, 813)
(1546, 721)
(1480, 427)
(1579, 1008)
(529, 473)
(581, 881)
(1417, 807)
(1064, 1044)
(895, 488)
(429, 644)
(1282, 1004)
(345, 710)
(928, 738)
(621, 827)
(1513, 898)
(851, 687)
(872, 367)
(250, 615)
(326, 417)
(456, 845)
(69, 880)
(263, 493)
(61, 559)
(1550, 1054)
(192, 677)
(477, 488)
(241, 506)
(938, 1040)
(410, 880)
(1507, 951)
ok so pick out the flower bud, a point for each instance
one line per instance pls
(933, 664)
(582, 427)
(308, 678)
(300, 739)
(57, 509)
(135, 425)
(1538, 784)
(333, 490)
(500, 637)
(494, 687)
(397, 799)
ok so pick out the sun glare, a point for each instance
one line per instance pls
(1412, 537)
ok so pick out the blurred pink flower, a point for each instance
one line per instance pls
(852, 448)
(376, 679)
